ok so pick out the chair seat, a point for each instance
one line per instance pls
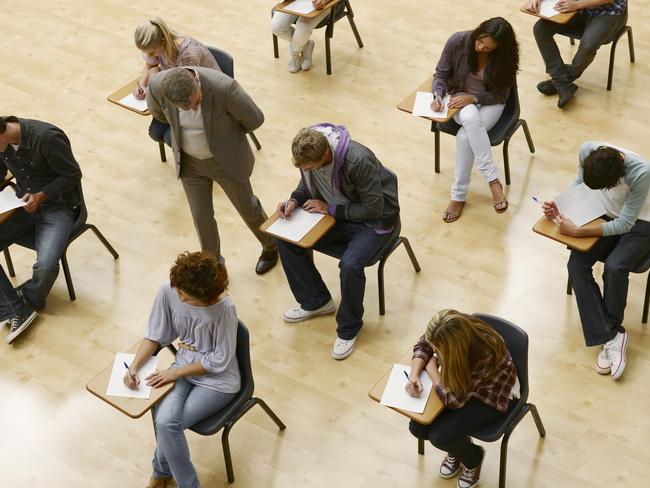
(215, 422)
(495, 430)
(339, 13)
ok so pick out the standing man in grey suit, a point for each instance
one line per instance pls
(210, 114)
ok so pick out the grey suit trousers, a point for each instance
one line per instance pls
(197, 176)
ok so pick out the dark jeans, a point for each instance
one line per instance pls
(451, 430)
(45, 231)
(602, 315)
(593, 32)
(354, 244)
(160, 132)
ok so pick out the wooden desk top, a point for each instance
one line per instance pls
(133, 407)
(280, 7)
(551, 230)
(5, 215)
(120, 93)
(560, 18)
(311, 238)
(433, 407)
(406, 105)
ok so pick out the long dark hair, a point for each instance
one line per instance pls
(504, 60)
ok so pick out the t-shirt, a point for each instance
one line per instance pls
(194, 140)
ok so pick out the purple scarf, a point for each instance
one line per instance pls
(339, 153)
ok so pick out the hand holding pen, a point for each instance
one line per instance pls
(437, 103)
(131, 380)
(286, 208)
(413, 388)
(140, 92)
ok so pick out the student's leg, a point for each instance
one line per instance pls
(10, 302)
(281, 25)
(303, 30)
(597, 326)
(544, 31)
(451, 430)
(160, 132)
(598, 31)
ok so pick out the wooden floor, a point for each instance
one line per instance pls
(59, 62)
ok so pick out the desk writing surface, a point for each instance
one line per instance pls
(280, 7)
(560, 18)
(311, 238)
(434, 404)
(120, 93)
(5, 215)
(550, 229)
(133, 407)
(406, 105)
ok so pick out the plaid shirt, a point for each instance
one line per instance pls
(615, 7)
(494, 391)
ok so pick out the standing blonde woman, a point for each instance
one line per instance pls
(474, 376)
(163, 49)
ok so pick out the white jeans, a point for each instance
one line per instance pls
(473, 143)
(298, 35)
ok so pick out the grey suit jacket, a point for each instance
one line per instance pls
(228, 114)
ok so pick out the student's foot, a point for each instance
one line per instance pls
(307, 52)
(342, 348)
(498, 198)
(566, 92)
(603, 365)
(469, 477)
(547, 87)
(453, 211)
(161, 482)
(299, 314)
(266, 261)
(616, 352)
(449, 467)
(294, 63)
(19, 322)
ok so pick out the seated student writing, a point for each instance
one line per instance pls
(163, 49)
(474, 376)
(478, 69)
(195, 308)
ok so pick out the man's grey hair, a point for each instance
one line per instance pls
(309, 146)
(177, 86)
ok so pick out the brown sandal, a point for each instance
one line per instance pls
(497, 205)
(449, 215)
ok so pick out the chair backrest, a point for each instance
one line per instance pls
(340, 11)
(244, 360)
(508, 119)
(516, 341)
(224, 60)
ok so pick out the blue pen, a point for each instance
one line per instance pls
(128, 370)
(407, 376)
(536, 200)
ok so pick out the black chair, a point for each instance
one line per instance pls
(612, 52)
(244, 400)
(643, 266)
(516, 341)
(8, 181)
(78, 228)
(338, 11)
(500, 133)
(227, 65)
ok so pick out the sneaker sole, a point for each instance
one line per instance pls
(600, 370)
(344, 355)
(28, 321)
(621, 367)
(329, 311)
(450, 475)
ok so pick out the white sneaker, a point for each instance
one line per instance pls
(307, 52)
(616, 353)
(449, 467)
(294, 63)
(342, 348)
(603, 365)
(299, 314)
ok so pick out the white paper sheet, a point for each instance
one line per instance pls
(547, 8)
(116, 386)
(300, 6)
(134, 103)
(395, 394)
(422, 106)
(580, 204)
(295, 227)
(9, 201)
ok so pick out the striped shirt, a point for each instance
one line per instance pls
(190, 53)
(615, 7)
(495, 390)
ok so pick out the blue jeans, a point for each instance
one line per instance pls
(160, 132)
(185, 405)
(354, 244)
(602, 314)
(47, 231)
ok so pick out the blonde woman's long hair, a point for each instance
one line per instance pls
(154, 33)
(462, 341)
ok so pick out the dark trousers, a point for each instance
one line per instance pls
(160, 132)
(593, 32)
(602, 314)
(354, 244)
(451, 430)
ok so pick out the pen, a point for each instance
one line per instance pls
(407, 376)
(285, 208)
(536, 200)
(127, 369)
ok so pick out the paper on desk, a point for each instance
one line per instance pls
(395, 395)
(580, 204)
(422, 106)
(9, 201)
(116, 386)
(547, 8)
(295, 227)
(134, 103)
(300, 6)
